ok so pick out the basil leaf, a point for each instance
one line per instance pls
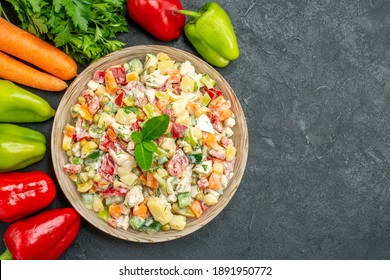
(155, 127)
(150, 146)
(137, 137)
(143, 156)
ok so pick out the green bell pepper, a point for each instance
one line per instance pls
(21, 106)
(20, 147)
(211, 32)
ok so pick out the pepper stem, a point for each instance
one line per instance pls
(189, 13)
(6, 255)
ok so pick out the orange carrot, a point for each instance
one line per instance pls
(151, 181)
(140, 211)
(21, 44)
(196, 208)
(209, 140)
(215, 181)
(115, 211)
(18, 72)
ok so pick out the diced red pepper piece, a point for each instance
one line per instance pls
(212, 92)
(119, 75)
(119, 98)
(99, 77)
(178, 130)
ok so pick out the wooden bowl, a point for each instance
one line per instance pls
(63, 117)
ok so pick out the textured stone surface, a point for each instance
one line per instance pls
(313, 79)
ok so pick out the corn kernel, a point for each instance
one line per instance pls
(105, 100)
(69, 153)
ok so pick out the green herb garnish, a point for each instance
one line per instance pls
(84, 29)
(151, 130)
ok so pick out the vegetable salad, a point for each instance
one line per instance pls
(191, 162)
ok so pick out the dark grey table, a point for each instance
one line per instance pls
(314, 81)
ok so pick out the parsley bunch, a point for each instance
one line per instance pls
(84, 29)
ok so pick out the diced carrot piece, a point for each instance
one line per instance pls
(140, 211)
(68, 136)
(209, 140)
(112, 134)
(218, 101)
(161, 104)
(143, 179)
(224, 113)
(196, 208)
(84, 112)
(215, 181)
(115, 211)
(192, 107)
(111, 85)
(151, 181)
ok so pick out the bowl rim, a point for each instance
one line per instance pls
(89, 215)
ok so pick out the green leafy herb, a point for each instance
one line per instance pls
(155, 127)
(84, 29)
(143, 156)
(150, 146)
(137, 137)
(151, 130)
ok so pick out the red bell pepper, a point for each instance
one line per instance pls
(23, 193)
(158, 17)
(45, 236)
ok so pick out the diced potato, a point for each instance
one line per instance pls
(129, 179)
(188, 84)
(161, 56)
(105, 120)
(179, 106)
(100, 91)
(165, 65)
(150, 62)
(97, 204)
(210, 199)
(159, 210)
(178, 222)
(218, 167)
(168, 144)
(162, 172)
(183, 118)
(230, 152)
(123, 118)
